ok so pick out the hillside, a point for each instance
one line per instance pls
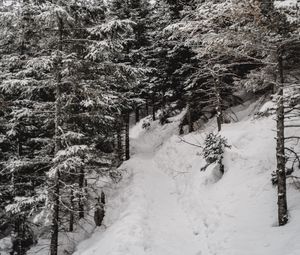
(166, 206)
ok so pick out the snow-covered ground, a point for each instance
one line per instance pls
(166, 206)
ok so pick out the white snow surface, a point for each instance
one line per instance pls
(166, 206)
(5, 245)
(286, 3)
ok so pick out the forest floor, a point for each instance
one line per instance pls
(166, 206)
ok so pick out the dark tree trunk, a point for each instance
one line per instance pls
(119, 142)
(147, 107)
(163, 99)
(25, 23)
(219, 120)
(189, 118)
(17, 247)
(127, 149)
(81, 193)
(137, 114)
(55, 218)
(55, 184)
(218, 104)
(102, 198)
(280, 151)
(153, 109)
(71, 223)
(21, 237)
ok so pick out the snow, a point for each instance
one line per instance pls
(5, 245)
(166, 206)
(268, 106)
(286, 3)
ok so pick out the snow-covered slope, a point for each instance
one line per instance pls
(166, 206)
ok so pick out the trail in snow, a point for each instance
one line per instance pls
(166, 227)
(151, 220)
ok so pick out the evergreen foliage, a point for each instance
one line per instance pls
(213, 151)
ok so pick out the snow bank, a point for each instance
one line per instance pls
(5, 245)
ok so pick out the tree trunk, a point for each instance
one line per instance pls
(21, 237)
(219, 119)
(71, 223)
(119, 142)
(218, 104)
(55, 185)
(189, 118)
(55, 217)
(137, 114)
(280, 153)
(127, 149)
(102, 197)
(163, 99)
(81, 192)
(147, 107)
(153, 109)
(17, 247)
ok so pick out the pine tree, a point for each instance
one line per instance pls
(213, 150)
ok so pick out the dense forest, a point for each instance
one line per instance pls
(77, 75)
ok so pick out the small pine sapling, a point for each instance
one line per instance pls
(214, 149)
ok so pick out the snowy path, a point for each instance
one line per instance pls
(168, 230)
(151, 220)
